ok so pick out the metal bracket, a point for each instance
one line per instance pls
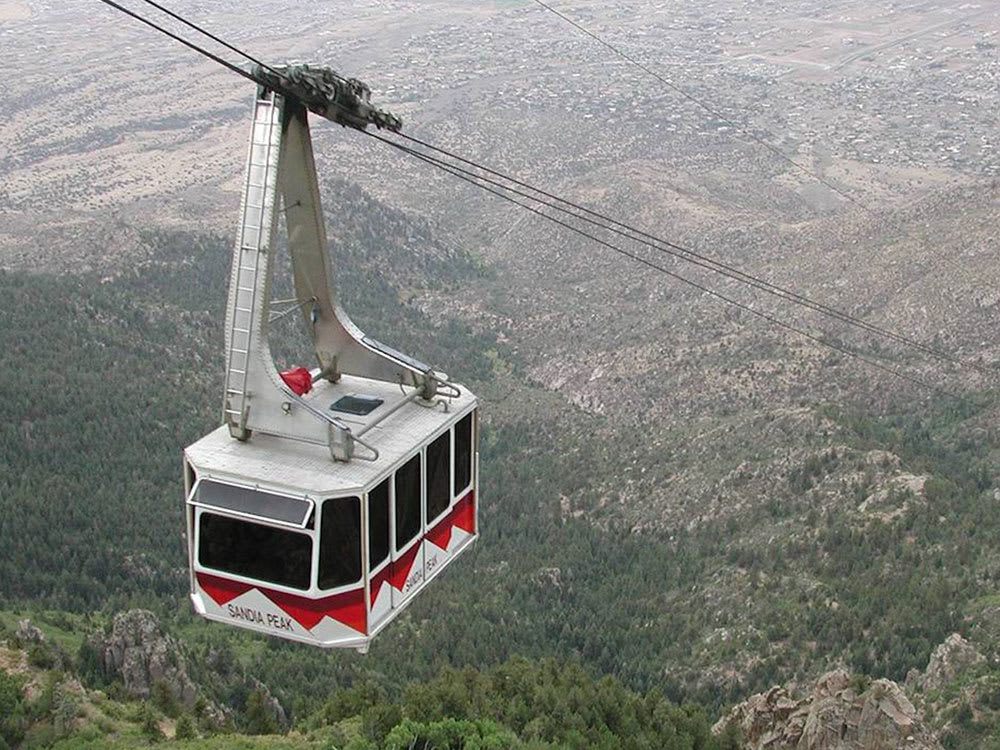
(346, 101)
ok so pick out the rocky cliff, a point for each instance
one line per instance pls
(141, 654)
(836, 714)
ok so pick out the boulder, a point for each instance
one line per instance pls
(832, 716)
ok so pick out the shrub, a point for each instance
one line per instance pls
(163, 698)
(185, 729)
(150, 727)
(41, 657)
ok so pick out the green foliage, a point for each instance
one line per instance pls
(149, 725)
(39, 656)
(379, 718)
(163, 698)
(259, 718)
(10, 693)
(731, 737)
(64, 712)
(185, 728)
(353, 701)
(450, 734)
(543, 703)
(12, 719)
(89, 667)
(361, 743)
(92, 523)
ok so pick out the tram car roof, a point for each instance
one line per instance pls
(294, 465)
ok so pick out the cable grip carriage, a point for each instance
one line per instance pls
(329, 497)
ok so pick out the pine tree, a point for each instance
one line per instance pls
(259, 716)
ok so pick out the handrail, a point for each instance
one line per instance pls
(332, 421)
(414, 394)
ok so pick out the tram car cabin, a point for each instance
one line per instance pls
(328, 498)
(285, 542)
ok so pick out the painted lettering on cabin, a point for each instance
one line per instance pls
(255, 616)
(415, 578)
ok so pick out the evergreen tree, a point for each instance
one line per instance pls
(260, 717)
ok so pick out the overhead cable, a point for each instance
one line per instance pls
(671, 248)
(443, 166)
(211, 36)
(552, 201)
(182, 40)
(706, 106)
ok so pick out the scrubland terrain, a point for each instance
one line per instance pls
(677, 493)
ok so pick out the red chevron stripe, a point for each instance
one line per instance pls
(347, 608)
(440, 535)
(222, 590)
(465, 513)
(401, 568)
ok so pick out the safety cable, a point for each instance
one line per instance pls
(684, 253)
(706, 106)
(439, 164)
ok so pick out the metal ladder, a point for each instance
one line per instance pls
(259, 195)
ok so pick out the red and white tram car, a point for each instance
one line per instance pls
(329, 553)
(328, 498)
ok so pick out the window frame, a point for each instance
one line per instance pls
(310, 533)
(192, 499)
(376, 568)
(459, 492)
(430, 522)
(395, 549)
(360, 580)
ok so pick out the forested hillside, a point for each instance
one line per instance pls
(54, 697)
(875, 545)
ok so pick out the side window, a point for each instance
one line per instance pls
(340, 542)
(378, 525)
(407, 483)
(438, 476)
(463, 453)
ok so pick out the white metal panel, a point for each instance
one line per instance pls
(293, 466)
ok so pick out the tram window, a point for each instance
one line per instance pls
(438, 476)
(256, 551)
(340, 542)
(378, 524)
(407, 501)
(463, 453)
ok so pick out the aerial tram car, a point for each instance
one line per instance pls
(328, 498)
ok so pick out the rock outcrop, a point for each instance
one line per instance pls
(833, 716)
(28, 634)
(949, 660)
(141, 654)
